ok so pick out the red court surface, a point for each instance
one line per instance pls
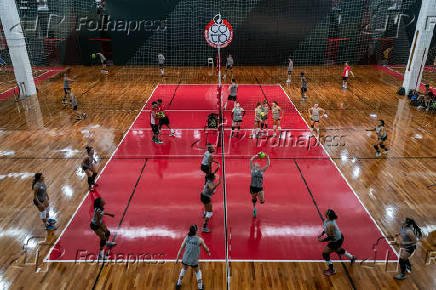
(154, 190)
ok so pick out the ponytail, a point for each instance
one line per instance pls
(36, 178)
(192, 230)
(416, 230)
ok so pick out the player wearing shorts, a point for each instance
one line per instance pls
(229, 66)
(334, 237)
(237, 112)
(99, 228)
(315, 114)
(257, 120)
(191, 244)
(380, 131)
(154, 123)
(73, 102)
(345, 74)
(206, 194)
(290, 69)
(163, 118)
(277, 116)
(88, 166)
(161, 62)
(256, 184)
(303, 85)
(67, 88)
(206, 162)
(264, 118)
(103, 62)
(232, 93)
(409, 235)
(41, 201)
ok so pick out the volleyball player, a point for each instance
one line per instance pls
(103, 62)
(264, 117)
(191, 244)
(42, 201)
(154, 123)
(233, 93)
(315, 114)
(345, 74)
(334, 237)
(237, 112)
(161, 62)
(409, 235)
(88, 165)
(303, 85)
(380, 130)
(163, 117)
(290, 69)
(229, 65)
(257, 120)
(67, 88)
(99, 228)
(73, 103)
(277, 116)
(206, 194)
(206, 162)
(256, 184)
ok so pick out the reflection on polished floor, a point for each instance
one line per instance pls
(40, 135)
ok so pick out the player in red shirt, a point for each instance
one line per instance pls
(347, 71)
(153, 123)
(163, 118)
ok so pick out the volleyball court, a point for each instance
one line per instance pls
(154, 190)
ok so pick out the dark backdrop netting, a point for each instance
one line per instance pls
(266, 32)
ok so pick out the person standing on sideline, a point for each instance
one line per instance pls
(334, 237)
(161, 62)
(191, 244)
(290, 69)
(73, 103)
(67, 88)
(42, 202)
(103, 62)
(303, 86)
(347, 71)
(229, 66)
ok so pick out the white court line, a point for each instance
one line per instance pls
(101, 172)
(118, 261)
(217, 85)
(349, 185)
(226, 129)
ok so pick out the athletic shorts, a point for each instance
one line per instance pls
(85, 168)
(35, 202)
(161, 66)
(205, 168)
(94, 227)
(410, 249)
(303, 90)
(382, 138)
(231, 98)
(255, 190)
(193, 266)
(336, 245)
(66, 90)
(204, 199)
(154, 128)
(289, 72)
(229, 66)
(316, 121)
(75, 108)
(344, 78)
(164, 121)
(237, 121)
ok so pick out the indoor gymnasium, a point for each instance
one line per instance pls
(194, 144)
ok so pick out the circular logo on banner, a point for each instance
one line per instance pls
(218, 33)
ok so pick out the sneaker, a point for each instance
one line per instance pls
(254, 212)
(205, 230)
(409, 269)
(51, 221)
(50, 227)
(288, 81)
(91, 188)
(386, 152)
(84, 115)
(400, 276)
(420, 107)
(102, 256)
(64, 101)
(158, 142)
(202, 288)
(172, 134)
(377, 154)
(329, 272)
(178, 286)
(110, 244)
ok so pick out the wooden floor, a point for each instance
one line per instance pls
(40, 135)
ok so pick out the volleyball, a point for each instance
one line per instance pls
(161, 114)
(261, 155)
(93, 56)
(262, 114)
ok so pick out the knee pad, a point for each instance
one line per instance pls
(208, 214)
(107, 234)
(341, 252)
(326, 256)
(102, 243)
(376, 147)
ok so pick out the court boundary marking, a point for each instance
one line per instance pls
(120, 261)
(46, 259)
(346, 181)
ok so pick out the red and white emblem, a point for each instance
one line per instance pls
(218, 33)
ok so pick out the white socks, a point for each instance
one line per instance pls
(199, 279)
(182, 274)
